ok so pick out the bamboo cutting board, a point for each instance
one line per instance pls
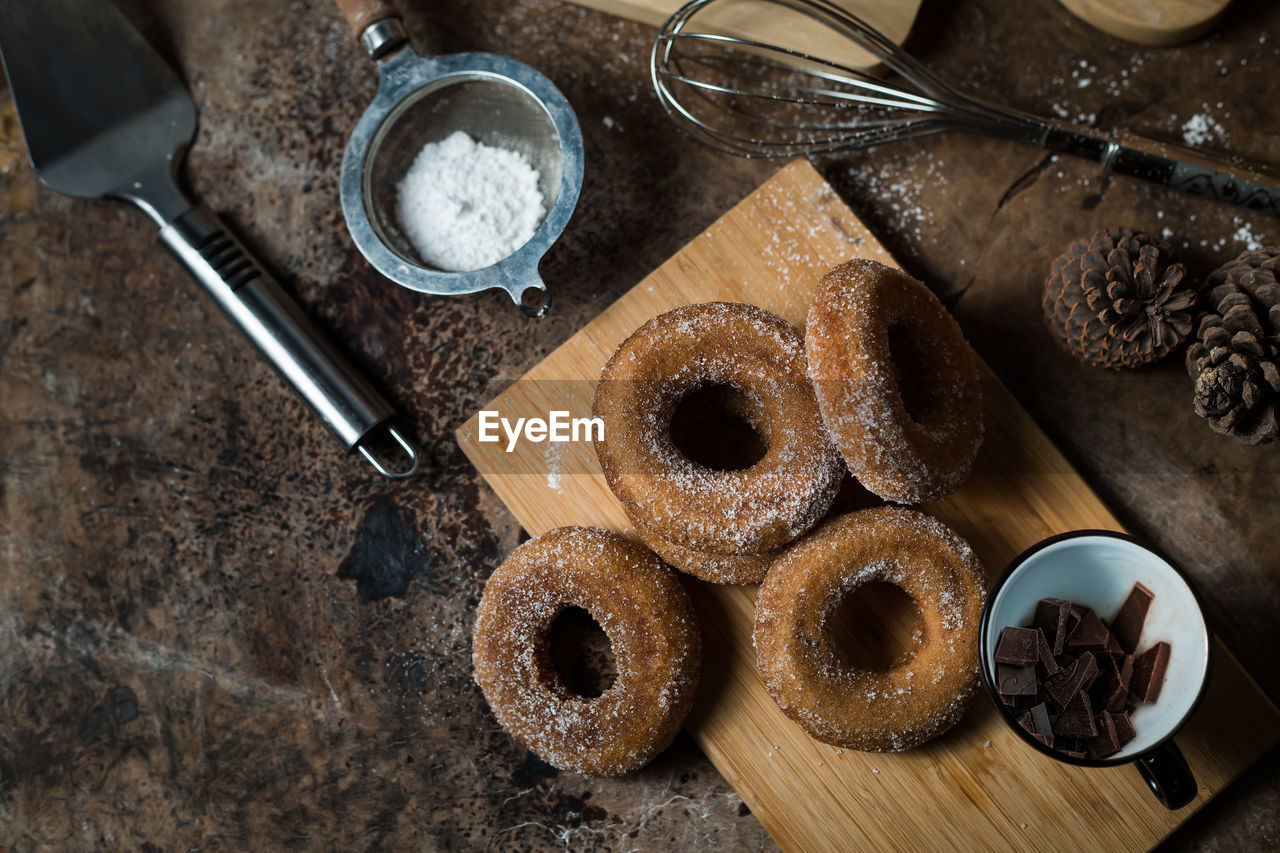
(977, 787)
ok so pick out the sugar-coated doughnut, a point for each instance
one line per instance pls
(918, 698)
(897, 384)
(708, 565)
(651, 626)
(690, 349)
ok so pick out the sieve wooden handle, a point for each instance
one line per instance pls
(361, 13)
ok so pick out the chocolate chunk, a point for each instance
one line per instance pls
(1024, 720)
(1014, 681)
(1076, 678)
(1126, 671)
(1074, 616)
(1067, 744)
(1113, 646)
(1077, 719)
(1044, 655)
(1127, 624)
(1088, 670)
(1148, 672)
(1051, 617)
(1115, 698)
(1124, 727)
(1047, 740)
(1016, 646)
(1089, 633)
(1106, 741)
(1073, 753)
(1108, 692)
(1040, 720)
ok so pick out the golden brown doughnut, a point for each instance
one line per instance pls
(687, 350)
(650, 624)
(707, 565)
(918, 698)
(897, 384)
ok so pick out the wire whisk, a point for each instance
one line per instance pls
(757, 98)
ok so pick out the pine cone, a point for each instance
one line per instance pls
(1235, 360)
(1116, 300)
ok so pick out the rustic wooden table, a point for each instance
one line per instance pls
(220, 632)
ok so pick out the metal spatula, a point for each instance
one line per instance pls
(105, 117)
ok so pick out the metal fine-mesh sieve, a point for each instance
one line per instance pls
(495, 100)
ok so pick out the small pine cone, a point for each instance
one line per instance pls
(1235, 360)
(1117, 300)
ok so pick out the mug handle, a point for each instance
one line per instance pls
(1168, 775)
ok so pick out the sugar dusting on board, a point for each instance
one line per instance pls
(465, 205)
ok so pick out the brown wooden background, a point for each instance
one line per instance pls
(183, 661)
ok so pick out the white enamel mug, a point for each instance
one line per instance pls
(1098, 568)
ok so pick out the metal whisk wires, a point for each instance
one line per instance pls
(762, 99)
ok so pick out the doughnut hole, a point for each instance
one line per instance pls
(581, 653)
(875, 627)
(919, 374)
(716, 427)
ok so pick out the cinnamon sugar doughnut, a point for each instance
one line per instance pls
(707, 565)
(918, 698)
(687, 350)
(650, 624)
(897, 384)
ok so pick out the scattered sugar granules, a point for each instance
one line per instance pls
(465, 205)
(1244, 234)
(1201, 128)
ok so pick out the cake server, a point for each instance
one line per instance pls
(105, 117)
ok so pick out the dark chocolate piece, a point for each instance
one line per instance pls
(1076, 678)
(1024, 720)
(1126, 671)
(1124, 727)
(1051, 617)
(1018, 704)
(1108, 692)
(1069, 744)
(1013, 680)
(1089, 634)
(1115, 698)
(1047, 740)
(1044, 655)
(1113, 646)
(1016, 646)
(1040, 723)
(1127, 624)
(1077, 719)
(1073, 753)
(1106, 741)
(1074, 616)
(1148, 673)
(1088, 670)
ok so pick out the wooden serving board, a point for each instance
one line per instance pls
(977, 787)
(771, 24)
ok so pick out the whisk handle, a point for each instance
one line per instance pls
(1172, 166)
(376, 23)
